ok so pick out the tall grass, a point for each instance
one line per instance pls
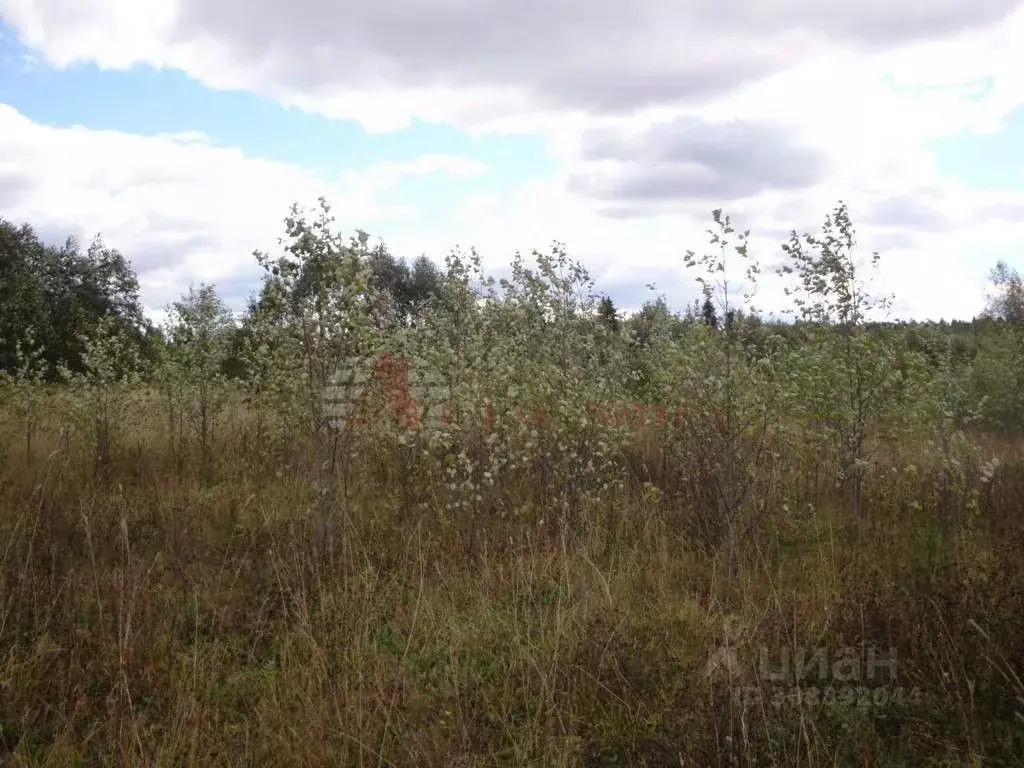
(163, 612)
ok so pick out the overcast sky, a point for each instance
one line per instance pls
(182, 130)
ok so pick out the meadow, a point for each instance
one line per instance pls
(819, 564)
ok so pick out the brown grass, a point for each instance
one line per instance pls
(151, 614)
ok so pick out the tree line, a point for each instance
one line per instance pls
(55, 299)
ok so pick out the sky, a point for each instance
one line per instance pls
(183, 131)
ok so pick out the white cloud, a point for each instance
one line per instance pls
(185, 210)
(813, 101)
(478, 61)
(180, 207)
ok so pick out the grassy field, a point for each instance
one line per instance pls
(154, 612)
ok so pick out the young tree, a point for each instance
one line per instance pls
(608, 315)
(734, 396)
(855, 374)
(198, 328)
(315, 312)
(709, 314)
(111, 368)
(424, 285)
(25, 387)
(1006, 302)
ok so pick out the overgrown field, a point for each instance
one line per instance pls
(822, 563)
(152, 618)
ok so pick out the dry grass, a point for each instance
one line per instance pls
(154, 615)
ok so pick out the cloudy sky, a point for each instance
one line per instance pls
(182, 130)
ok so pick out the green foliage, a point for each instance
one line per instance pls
(111, 370)
(192, 376)
(403, 291)
(1006, 302)
(314, 311)
(853, 371)
(608, 315)
(830, 289)
(652, 333)
(23, 390)
(63, 295)
(732, 386)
